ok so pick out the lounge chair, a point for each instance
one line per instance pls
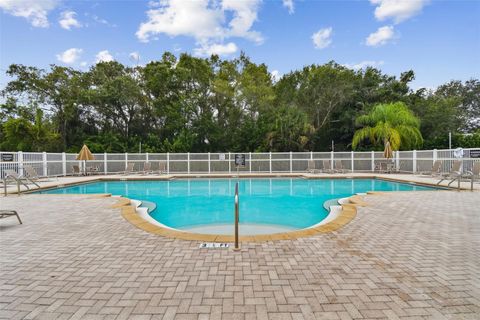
(339, 166)
(327, 167)
(474, 174)
(311, 167)
(162, 167)
(129, 168)
(12, 176)
(93, 170)
(10, 213)
(76, 170)
(31, 173)
(454, 174)
(147, 168)
(436, 169)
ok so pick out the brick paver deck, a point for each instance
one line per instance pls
(405, 256)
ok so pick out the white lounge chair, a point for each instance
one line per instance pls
(129, 168)
(436, 169)
(327, 167)
(454, 174)
(162, 167)
(10, 213)
(32, 174)
(147, 168)
(339, 167)
(311, 167)
(474, 174)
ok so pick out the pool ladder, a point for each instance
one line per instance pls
(237, 216)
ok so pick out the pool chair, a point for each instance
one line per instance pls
(454, 174)
(147, 168)
(311, 167)
(76, 170)
(129, 168)
(12, 176)
(436, 169)
(473, 175)
(162, 167)
(327, 167)
(339, 167)
(10, 213)
(32, 174)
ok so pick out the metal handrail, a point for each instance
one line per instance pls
(237, 216)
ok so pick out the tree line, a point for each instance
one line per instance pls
(190, 104)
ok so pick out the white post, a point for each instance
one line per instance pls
(229, 163)
(209, 167)
(146, 157)
(311, 155)
(332, 158)
(435, 155)
(105, 162)
(291, 162)
(168, 163)
(414, 161)
(397, 160)
(44, 159)
(126, 160)
(270, 161)
(20, 162)
(373, 160)
(188, 162)
(250, 162)
(64, 164)
(352, 159)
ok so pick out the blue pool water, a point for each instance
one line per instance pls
(293, 203)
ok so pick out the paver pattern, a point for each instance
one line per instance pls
(408, 255)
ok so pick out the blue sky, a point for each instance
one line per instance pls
(439, 40)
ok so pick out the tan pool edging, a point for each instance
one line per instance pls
(347, 214)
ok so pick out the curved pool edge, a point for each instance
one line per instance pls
(342, 217)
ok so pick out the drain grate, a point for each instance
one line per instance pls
(209, 245)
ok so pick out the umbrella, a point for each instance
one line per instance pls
(85, 155)
(387, 152)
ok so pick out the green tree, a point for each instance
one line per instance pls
(392, 122)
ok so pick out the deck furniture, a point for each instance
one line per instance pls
(327, 167)
(454, 174)
(10, 213)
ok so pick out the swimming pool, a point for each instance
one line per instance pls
(266, 205)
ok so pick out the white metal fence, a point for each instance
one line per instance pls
(61, 164)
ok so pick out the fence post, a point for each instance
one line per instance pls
(291, 162)
(105, 163)
(64, 164)
(332, 157)
(270, 161)
(168, 162)
(126, 160)
(44, 160)
(146, 156)
(397, 159)
(229, 163)
(20, 162)
(414, 161)
(250, 162)
(352, 155)
(435, 155)
(188, 162)
(373, 160)
(311, 155)
(209, 158)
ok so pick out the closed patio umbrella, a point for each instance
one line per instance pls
(85, 155)
(388, 152)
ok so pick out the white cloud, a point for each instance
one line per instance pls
(289, 5)
(103, 56)
(398, 10)
(209, 22)
(135, 56)
(68, 20)
(219, 49)
(276, 75)
(364, 64)
(381, 36)
(83, 64)
(70, 56)
(322, 38)
(35, 11)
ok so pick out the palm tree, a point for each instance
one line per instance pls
(393, 122)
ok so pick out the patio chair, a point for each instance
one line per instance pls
(162, 167)
(339, 166)
(76, 170)
(93, 170)
(311, 167)
(327, 167)
(32, 174)
(10, 213)
(129, 168)
(12, 175)
(147, 168)
(474, 174)
(454, 174)
(436, 169)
